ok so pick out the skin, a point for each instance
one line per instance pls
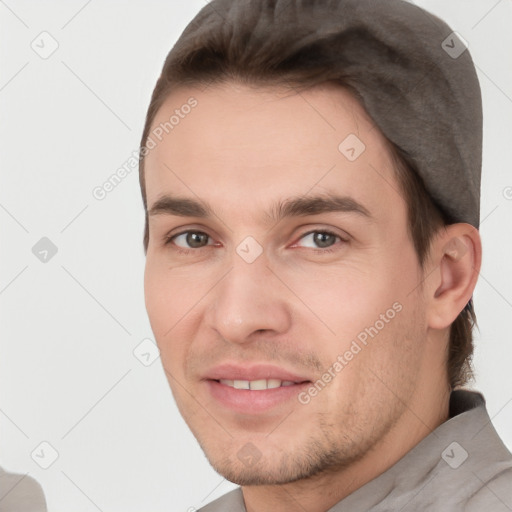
(297, 306)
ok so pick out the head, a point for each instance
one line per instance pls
(268, 245)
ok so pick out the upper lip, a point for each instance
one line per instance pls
(231, 371)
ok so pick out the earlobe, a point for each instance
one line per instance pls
(458, 255)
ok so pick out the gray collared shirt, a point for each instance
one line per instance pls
(461, 466)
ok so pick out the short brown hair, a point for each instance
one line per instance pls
(246, 45)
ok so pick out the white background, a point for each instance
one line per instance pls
(68, 327)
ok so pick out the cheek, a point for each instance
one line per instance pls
(346, 298)
(167, 294)
(167, 301)
(155, 295)
(173, 298)
(366, 304)
(380, 363)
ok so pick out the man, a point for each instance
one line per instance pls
(311, 178)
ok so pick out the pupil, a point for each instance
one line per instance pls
(323, 239)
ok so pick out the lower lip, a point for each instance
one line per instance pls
(246, 401)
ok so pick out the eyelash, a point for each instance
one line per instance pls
(185, 252)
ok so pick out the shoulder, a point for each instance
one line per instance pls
(231, 502)
(494, 494)
(22, 492)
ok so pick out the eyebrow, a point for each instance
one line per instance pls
(293, 207)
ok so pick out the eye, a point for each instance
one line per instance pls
(189, 240)
(320, 239)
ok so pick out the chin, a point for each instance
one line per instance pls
(262, 475)
(273, 468)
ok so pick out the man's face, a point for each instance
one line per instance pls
(255, 292)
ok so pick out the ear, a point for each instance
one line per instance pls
(456, 257)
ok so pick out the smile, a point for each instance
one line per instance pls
(257, 385)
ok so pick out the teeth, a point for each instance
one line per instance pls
(256, 385)
(241, 384)
(273, 383)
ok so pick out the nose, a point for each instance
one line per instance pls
(247, 302)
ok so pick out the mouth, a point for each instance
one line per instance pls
(253, 390)
(258, 385)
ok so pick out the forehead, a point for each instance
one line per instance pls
(248, 146)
